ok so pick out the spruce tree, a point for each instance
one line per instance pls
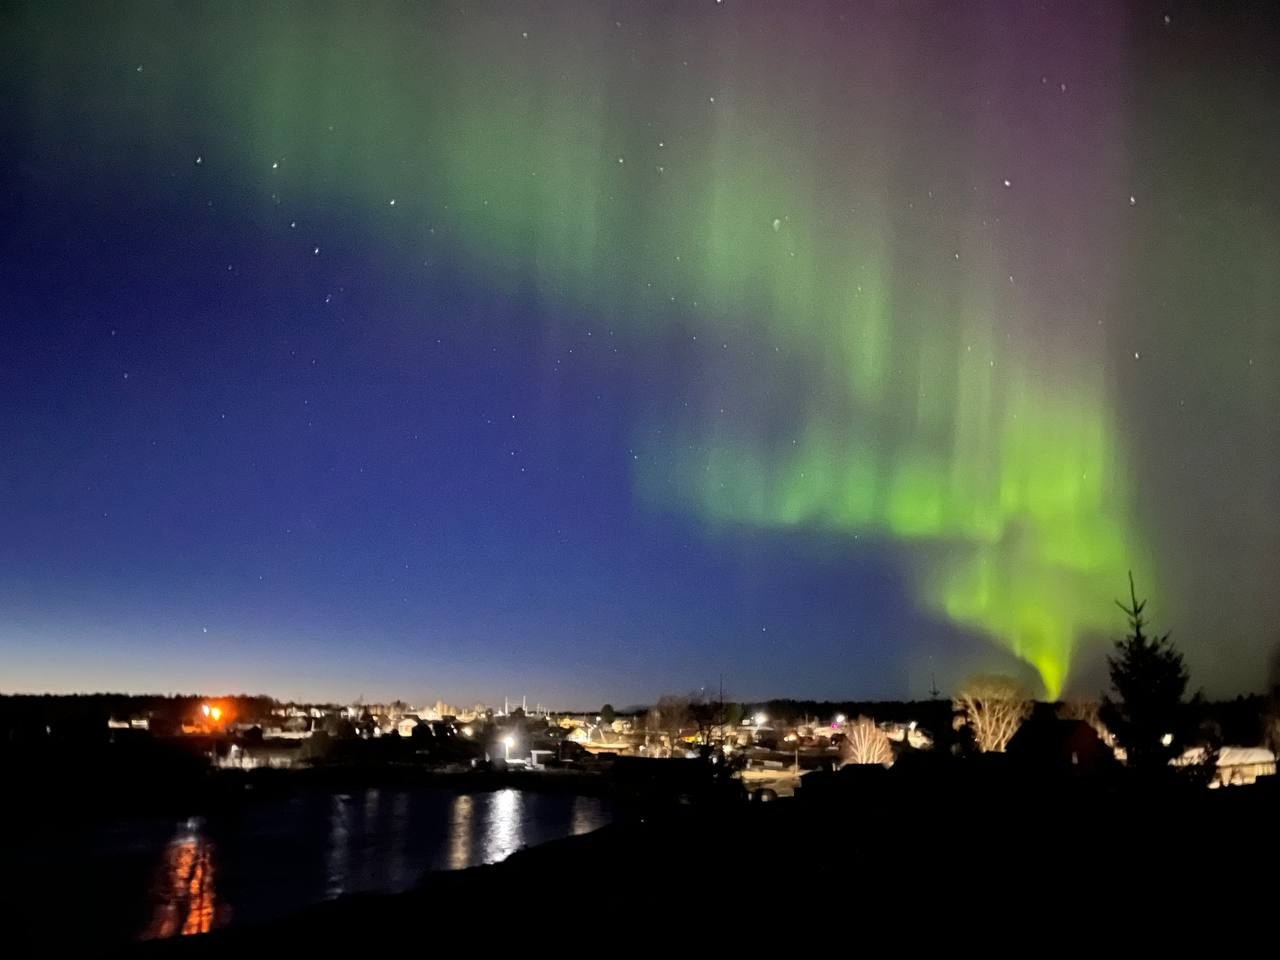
(1148, 681)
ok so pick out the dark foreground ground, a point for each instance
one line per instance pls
(1003, 864)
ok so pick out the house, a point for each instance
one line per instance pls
(1236, 766)
(406, 724)
(1053, 745)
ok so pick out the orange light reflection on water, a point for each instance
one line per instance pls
(186, 900)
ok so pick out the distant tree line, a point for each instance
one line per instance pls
(81, 715)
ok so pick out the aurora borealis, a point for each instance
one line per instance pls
(834, 347)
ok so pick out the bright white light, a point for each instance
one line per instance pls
(205, 709)
(840, 718)
(466, 731)
(911, 725)
(508, 742)
(1167, 739)
(761, 719)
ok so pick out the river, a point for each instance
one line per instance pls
(157, 878)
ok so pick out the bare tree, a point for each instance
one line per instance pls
(670, 716)
(865, 743)
(994, 707)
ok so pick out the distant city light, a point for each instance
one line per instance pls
(840, 718)
(761, 719)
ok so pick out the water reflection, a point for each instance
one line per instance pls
(339, 864)
(274, 857)
(398, 873)
(504, 833)
(587, 816)
(461, 831)
(185, 900)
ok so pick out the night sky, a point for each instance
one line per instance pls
(596, 350)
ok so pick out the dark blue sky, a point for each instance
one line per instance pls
(233, 464)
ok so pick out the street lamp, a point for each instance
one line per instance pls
(508, 742)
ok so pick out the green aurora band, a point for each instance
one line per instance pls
(886, 374)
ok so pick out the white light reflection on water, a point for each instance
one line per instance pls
(587, 815)
(504, 827)
(399, 875)
(461, 831)
(339, 863)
